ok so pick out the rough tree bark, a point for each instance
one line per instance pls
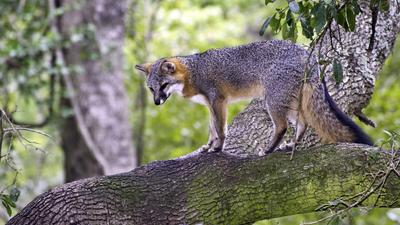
(225, 188)
(97, 138)
(219, 189)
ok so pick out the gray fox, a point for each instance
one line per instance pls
(274, 70)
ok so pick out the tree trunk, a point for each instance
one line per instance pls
(223, 188)
(97, 139)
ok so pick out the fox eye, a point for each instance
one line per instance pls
(151, 89)
(164, 86)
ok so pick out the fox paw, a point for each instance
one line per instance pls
(212, 146)
(205, 148)
(215, 149)
(265, 152)
(286, 147)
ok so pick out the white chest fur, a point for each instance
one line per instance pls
(199, 98)
(175, 88)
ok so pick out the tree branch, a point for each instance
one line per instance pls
(222, 189)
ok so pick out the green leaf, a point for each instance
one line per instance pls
(384, 5)
(305, 8)
(332, 11)
(289, 18)
(293, 31)
(293, 6)
(356, 6)
(7, 203)
(285, 31)
(269, 1)
(306, 27)
(289, 27)
(275, 24)
(265, 26)
(7, 200)
(8, 208)
(289, 30)
(337, 71)
(341, 20)
(14, 194)
(350, 17)
(319, 12)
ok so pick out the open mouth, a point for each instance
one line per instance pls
(162, 100)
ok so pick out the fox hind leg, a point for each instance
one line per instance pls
(280, 126)
(301, 127)
(278, 104)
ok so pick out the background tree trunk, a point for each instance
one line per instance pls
(97, 138)
(221, 188)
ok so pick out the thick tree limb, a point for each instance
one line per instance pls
(221, 189)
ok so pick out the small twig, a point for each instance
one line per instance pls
(322, 219)
(19, 136)
(1, 132)
(375, 13)
(7, 130)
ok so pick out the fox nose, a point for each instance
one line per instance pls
(157, 101)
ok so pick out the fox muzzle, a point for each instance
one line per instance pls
(160, 99)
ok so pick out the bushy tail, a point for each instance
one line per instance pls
(328, 120)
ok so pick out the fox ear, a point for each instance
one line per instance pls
(168, 67)
(143, 67)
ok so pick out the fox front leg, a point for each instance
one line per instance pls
(217, 126)
(211, 136)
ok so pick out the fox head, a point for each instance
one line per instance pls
(163, 78)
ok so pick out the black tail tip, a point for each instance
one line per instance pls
(364, 139)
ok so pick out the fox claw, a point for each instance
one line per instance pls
(287, 147)
(205, 148)
(211, 146)
(283, 148)
(265, 152)
(214, 149)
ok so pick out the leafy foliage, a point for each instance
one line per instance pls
(9, 201)
(312, 16)
(315, 19)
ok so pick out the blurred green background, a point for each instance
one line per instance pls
(154, 29)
